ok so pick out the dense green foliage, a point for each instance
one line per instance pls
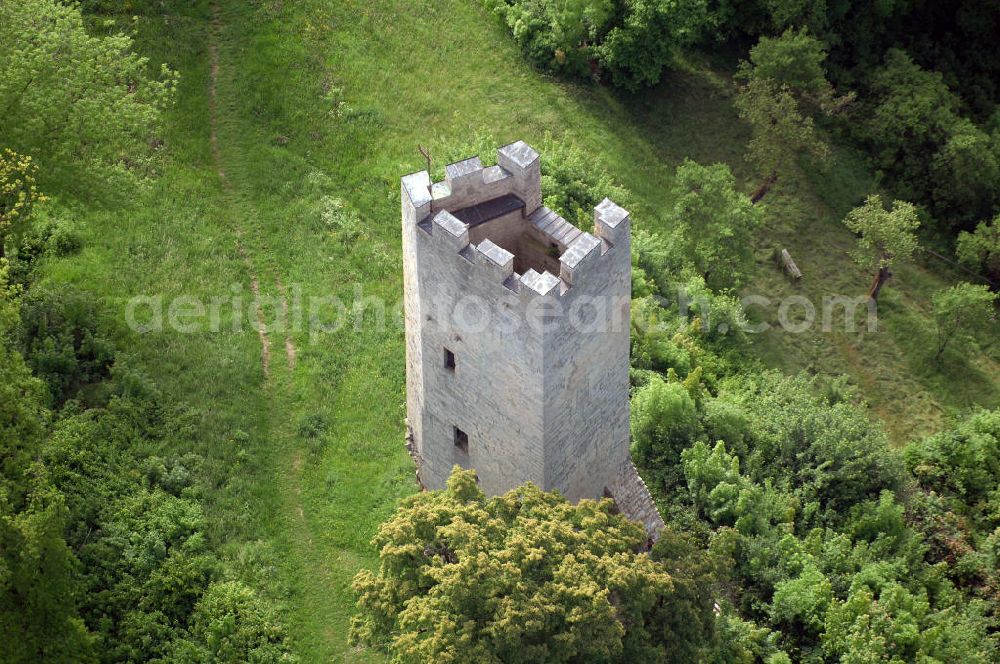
(914, 132)
(39, 587)
(963, 312)
(795, 61)
(572, 186)
(812, 521)
(780, 131)
(83, 106)
(104, 562)
(633, 41)
(927, 100)
(714, 224)
(104, 549)
(522, 577)
(980, 249)
(312, 134)
(824, 545)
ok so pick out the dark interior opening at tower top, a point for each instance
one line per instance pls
(536, 240)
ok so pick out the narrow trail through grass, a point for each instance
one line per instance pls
(265, 340)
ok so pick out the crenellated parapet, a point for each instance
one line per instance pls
(493, 218)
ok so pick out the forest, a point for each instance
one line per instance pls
(240, 491)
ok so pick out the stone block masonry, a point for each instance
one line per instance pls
(517, 335)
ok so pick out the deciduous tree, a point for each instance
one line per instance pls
(664, 421)
(784, 84)
(795, 60)
(18, 191)
(966, 174)
(961, 311)
(38, 586)
(980, 249)
(714, 224)
(523, 577)
(636, 52)
(886, 237)
(780, 131)
(83, 105)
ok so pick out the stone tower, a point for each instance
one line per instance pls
(517, 335)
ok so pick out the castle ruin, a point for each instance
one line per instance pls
(517, 336)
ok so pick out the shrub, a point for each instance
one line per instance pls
(48, 235)
(232, 624)
(802, 602)
(63, 341)
(556, 36)
(633, 41)
(963, 462)
(727, 422)
(830, 453)
(664, 421)
(637, 50)
(573, 185)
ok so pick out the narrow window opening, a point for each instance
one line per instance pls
(449, 360)
(461, 441)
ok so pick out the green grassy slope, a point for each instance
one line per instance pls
(316, 98)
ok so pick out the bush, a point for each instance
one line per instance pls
(892, 623)
(802, 602)
(48, 234)
(963, 462)
(636, 51)
(231, 625)
(555, 36)
(963, 311)
(633, 41)
(965, 173)
(727, 422)
(63, 341)
(573, 185)
(828, 453)
(664, 421)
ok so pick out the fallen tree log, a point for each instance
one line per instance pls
(791, 268)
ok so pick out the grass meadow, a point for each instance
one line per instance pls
(319, 100)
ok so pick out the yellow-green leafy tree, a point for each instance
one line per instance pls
(522, 577)
(18, 191)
